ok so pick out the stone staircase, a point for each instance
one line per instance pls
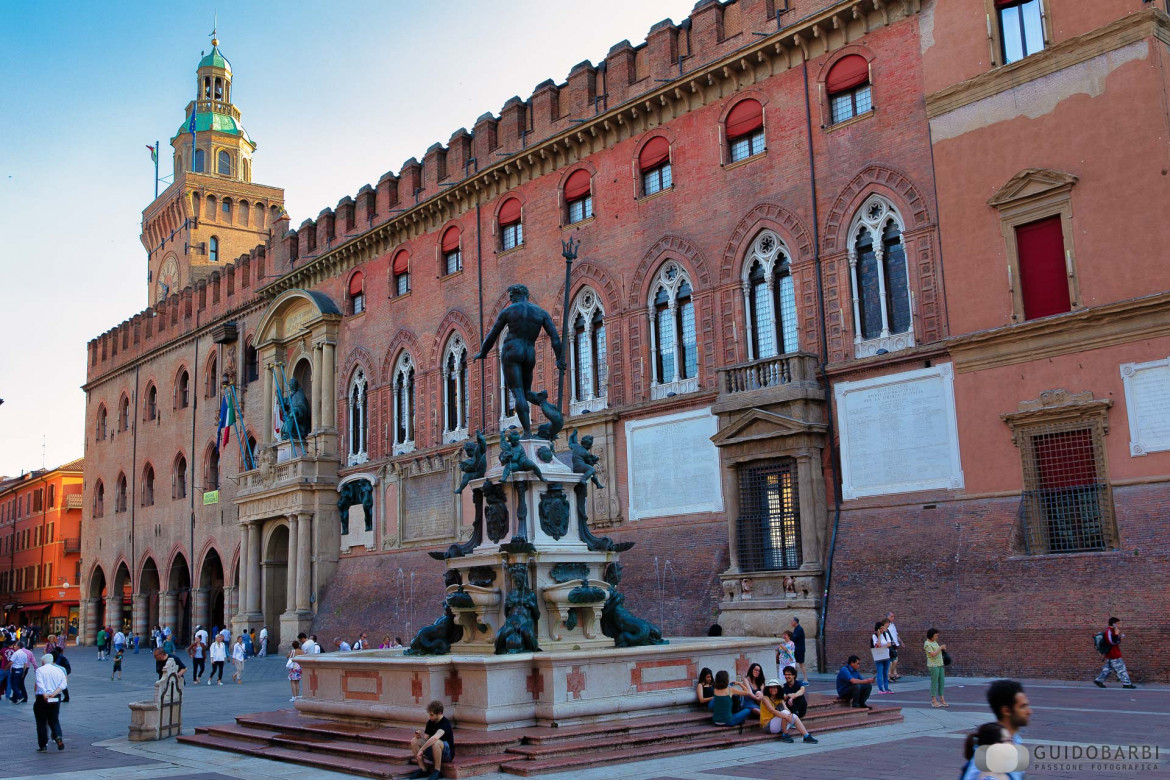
(382, 751)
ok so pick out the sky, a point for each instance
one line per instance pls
(335, 94)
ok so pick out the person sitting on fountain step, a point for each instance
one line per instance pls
(775, 717)
(435, 744)
(723, 713)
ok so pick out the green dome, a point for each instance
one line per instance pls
(215, 60)
(220, 123)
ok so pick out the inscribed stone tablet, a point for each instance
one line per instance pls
(1147, 402)
(673, 466)
(899, 433)
(428, 510)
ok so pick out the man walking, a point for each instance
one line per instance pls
(119, 641)
(1113, 661)
(18, 668)
(264, 641)
(1012, 712)
(50, 682)
(101, 644)
(798, 640)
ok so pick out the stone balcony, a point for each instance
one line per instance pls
(768, 381)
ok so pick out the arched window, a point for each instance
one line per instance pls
(454, 390)
(242, 213)
(880, 280)
(224, 164)
(99, 499)
(357, 295)
(124, 414)
(358, 426)
(211, 386)
(207, 87)
(179, 477)
(654, 164)
(150, 403)
(226, 207)
(211, 471)
(209, 213)
(213, 249)
(578, 197)
(251, 363)
(769, 298)
(100, 427)
(511, 224)
(744, 130)
(848, 88)
(589, 369)
(404, 404)
(400, 270)
(452, 257)
(183, 390)
(199, 164)
(672, 333)
(148, 485)
(218, 88)
(120, 494)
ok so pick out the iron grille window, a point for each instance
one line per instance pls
(768, 529)
(1067, 505)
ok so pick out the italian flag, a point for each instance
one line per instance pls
(277, 414)
(153, 153)
(227, 418)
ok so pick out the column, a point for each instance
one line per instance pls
(241, 596)
(808, 472)
(290, 604)
(328, 399)
(169, 607)
(881, 269)
(856, 302)
(318, 374)
(231, 603)
(655, 378)
(253, 593)
(93, 606)
(304, 563)
(201, 612)
(678, 338)
(114, 612)
(747, 311)
(141, 614)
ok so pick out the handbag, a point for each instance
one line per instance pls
(946, 658)
(879, 653)
(290, 663)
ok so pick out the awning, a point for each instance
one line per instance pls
(34, 607)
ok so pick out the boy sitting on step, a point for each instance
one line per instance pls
(435, 744)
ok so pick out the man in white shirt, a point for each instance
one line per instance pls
(264, 641)
(119, 641)
(892, 630)
(201, 633)
(342, 645)
(50, 681)
(363, 643)
(308, 646)
(17, 692)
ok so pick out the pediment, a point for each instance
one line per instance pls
(755, 424)
(1030, 183)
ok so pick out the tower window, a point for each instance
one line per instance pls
(225, 165)
(213, 249)
(511, 224)
(654, 163)
(199, 161)
(218, 88)
(579, 196)
(401, 273)
(452, 257)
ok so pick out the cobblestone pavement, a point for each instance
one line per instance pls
(926, 746)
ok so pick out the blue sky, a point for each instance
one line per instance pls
(335, 94)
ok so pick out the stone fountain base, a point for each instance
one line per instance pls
(490, 692)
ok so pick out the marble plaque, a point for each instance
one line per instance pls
(1147, 403)
(428, 507)
(899, 433)
(672, 465)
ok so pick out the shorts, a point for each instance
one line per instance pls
(446, 753)
(799, 654)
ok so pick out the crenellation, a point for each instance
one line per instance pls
(409, 182)
(346, 215)
(434, 170)
(483, 139)
(662, 50)
(620, 72)
(365, 207)
(386, 197)
(307, 233)
(578, 98)
(459, 155)
(326, 228)
(707, 30)
(513, 125)
(545, 102)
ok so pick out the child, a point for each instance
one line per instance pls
(136, 640)
(117, 664)
(435, 744)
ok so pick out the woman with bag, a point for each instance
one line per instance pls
(879, 648)
(294, 670)
(936, 667)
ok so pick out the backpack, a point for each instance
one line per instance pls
(1100, 644)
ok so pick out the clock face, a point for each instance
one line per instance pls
(168, 279)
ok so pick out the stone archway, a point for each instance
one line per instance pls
(95, 616)
(178, 600)
(117, 616)
(274, 579)
(146, 600)
(210, 605)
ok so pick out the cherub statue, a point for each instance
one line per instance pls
(475, 465)
(584, 461)
(513, 458)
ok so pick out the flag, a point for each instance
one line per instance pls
(227, 418)
(277, 415)
(153, 153)
(191, 124)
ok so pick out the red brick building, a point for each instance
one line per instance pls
(759, 296)
(40, 549)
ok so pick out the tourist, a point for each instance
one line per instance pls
(263, 641)
(988, 734)
(386, 643)
(119, 641)
(705, 688)
(1010, 706)
(798, 650)
(253, 647)
(397, 642)
(136, 641)
(50, 682)
(117, 663)
(198, 652)
(101, 644)
(341, 645)
(18, 668)
(201, 634)
(218, 653)
(50, 644)
(316, 644)
(5, 661)
(239, 655)
(168, 644)
(879, 644)
(434, 744)
(934, 665)
(306, 643)
(1113, 660)
(851, 686)
(294, 669)
(160, 662)
(775, 717)
(723, 708)
(60, 660)
(785, 652)
(897, 644)
(753, 684)
(246, 639)
(226, 632)
(363, 643)
(794, 693)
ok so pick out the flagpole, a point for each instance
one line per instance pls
(156, 170)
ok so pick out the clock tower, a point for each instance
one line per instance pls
(212, 212)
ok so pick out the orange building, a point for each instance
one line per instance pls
(40, 548)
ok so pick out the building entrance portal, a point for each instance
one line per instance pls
(274, 567)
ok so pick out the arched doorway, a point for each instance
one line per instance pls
(149, 585)
(275, 579)
(179, 586)
(120, 617)
(210, 612)
(95, 617)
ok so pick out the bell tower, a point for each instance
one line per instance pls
(212, 212)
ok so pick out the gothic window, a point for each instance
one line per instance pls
(124, 414)
(148, 485)
(179, 478)
(590, 372)
(510, 221)
(211, 470)
(213, 249)
(880, 280)
(357, 294)
(183, 390)
(100, 429)
(120, 494)
(225, 166)
(769, 298)
(654, 165)
(768, 528)
(150, 406)
(454, 390)
(400, 271)
(848, 88)
(358, 426)
(404, 404)
(673, 342)
(579, 196)
(744, 130)
(99, 499)
(452, 256)
(211, 387)
(199, 164)
(251, 362)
